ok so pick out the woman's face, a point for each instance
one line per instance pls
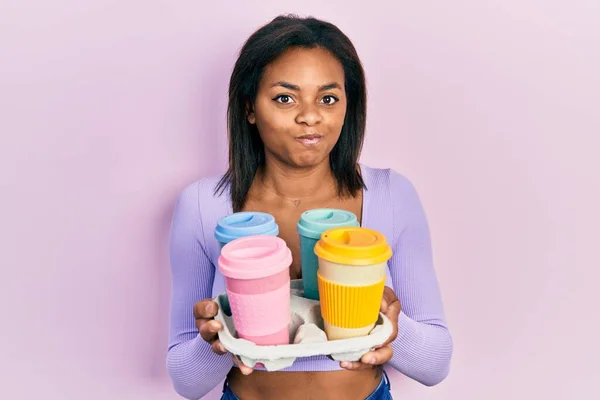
(300, 107)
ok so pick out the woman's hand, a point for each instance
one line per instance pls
(390, 307)
(208, 327)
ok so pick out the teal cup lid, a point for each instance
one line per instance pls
(247, 223)
(314, 222)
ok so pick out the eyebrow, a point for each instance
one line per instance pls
(291, 86)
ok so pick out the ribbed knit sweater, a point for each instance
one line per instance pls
(391, 205)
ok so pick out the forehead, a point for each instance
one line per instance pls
(306, 67)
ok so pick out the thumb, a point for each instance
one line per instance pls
(384, 305)
(244, 369)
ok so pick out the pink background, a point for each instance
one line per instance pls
(108, 108)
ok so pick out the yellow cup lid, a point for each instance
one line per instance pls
(353, 246)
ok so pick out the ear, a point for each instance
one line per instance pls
(250, 113)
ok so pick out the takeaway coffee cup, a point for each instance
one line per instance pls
(247, 223)
(311, 225)
(257, 281)
(351, 279)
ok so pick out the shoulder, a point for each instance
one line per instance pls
(201, 201)
(203, 192)
(386, 179)
(392, 193)
(198, 207)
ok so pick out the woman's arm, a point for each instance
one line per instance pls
(194, 368)
(423, 348)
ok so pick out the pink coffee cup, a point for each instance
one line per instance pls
(257, 281)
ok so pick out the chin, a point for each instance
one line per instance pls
(309, 161)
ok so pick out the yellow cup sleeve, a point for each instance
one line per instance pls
(350, 306)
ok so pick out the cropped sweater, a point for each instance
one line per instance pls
(423, 348)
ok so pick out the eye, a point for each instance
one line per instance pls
(284, 99)
(329, 100)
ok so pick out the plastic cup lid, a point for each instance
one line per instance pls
(314, 222)
(246, 223)
(353, 246)
(254, 257)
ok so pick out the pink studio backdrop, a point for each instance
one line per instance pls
(108, 108)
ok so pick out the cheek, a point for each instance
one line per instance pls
(341, 117)
(272, 124)
(338, 117)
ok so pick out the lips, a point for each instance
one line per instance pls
(311, 136)
(310, 139)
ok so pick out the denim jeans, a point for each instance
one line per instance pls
(381, 392)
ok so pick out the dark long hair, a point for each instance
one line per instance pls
(246, 149)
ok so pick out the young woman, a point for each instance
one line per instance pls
(296, 117)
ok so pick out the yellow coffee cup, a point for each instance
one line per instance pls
(351, 279)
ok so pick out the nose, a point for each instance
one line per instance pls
(309, 115)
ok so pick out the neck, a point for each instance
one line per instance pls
(295, 183)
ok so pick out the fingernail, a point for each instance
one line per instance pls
(222, 348)
(345, 364)
(210, 308)
(371, 360)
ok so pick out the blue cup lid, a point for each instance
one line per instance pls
(314, 222)
(247, 223)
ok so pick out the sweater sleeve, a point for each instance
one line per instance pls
(423, 347)
(192, 365)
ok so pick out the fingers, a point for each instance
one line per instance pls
(370, 359)
(355, 365)
(218, 347)
(378, 357)
(204, 312)
(209, 329)
(205, 309)
(244, 369)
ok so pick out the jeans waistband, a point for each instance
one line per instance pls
(384, 386)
